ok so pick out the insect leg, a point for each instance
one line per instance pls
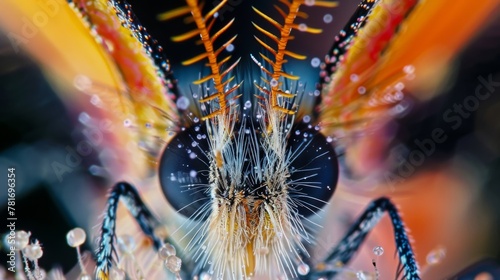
(343, 252)
(130, 197)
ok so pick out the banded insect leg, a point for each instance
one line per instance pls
(106, 252)
(351, 242)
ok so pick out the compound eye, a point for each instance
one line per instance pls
(313, 172)
(184, 173)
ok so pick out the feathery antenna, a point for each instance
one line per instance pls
(276, 73)
(204, 23)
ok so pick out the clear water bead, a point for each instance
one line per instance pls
(230, 48)
(117, 274)
(85, 277)
(76, 237)
(303, 269)
(166, 251)
(409, 69)
(22, 239)
(182, 103)
(84, 118)
(274, 83)
(33, 251)
(173, 263)
(315, 62)
(378, 251)
(360, 275)
(205, 276)
(327, 18)
(95, 100)
(82, 82)
(127, 123)
(310, 2)
(436, 256)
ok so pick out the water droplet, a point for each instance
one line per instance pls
(399, 86)
(182, 103)
(436, 256)
(166, 251)
(173, 263)
(33, 251)
(409, 69)
(82, 83)
(306, 119)
(230, 48)
(76, 237)
(361, 90)
(354, 78)
(193, 173)
(205, 276)
(315, 62)
(360, 275)
(327, 18)
(378, 251)
(117, 274)
(127, 123)
(22, 239)
(302, 27)
(84, 277)
(303, 269)
(84, 118)
(399, 95)
(274, 83)
(95, 100)
(310, 2)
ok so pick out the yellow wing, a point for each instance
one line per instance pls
(99, 65)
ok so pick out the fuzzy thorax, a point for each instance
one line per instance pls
(253, 227)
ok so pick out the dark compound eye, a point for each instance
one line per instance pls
(184, 171)
(314, 171)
